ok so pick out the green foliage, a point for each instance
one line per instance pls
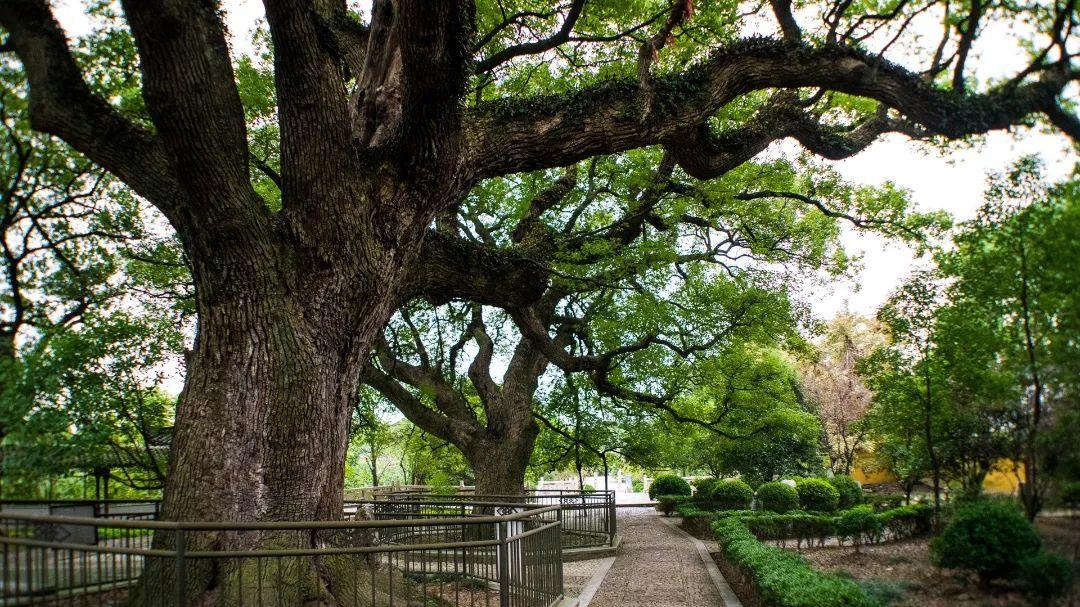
(1070, 494)
(669, 484)
(883, 592)
(859, 524)
(730, 495)
(637, 485)
(782, 578)
(988, 537)
(907, 521)
(804, 528)
(1046, 575)
(702, 486)
(667, 504)
(817, 495)
(777, 497)
(884, 501)
(851, 494)
(587, 488)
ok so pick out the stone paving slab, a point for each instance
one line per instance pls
(657, 566)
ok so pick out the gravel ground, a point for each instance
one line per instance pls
(656, 567)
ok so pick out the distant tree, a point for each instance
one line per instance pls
(833, 384)
(372, 434)
(1016, 265)
(906, 376)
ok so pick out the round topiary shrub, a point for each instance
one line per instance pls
(730, 495)
(778, 497)
(1045, 576)
(669, 484)
(817, 495)
(704, 485)
(850, 492)
(990, 538)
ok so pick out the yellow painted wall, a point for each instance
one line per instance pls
(1002, 479)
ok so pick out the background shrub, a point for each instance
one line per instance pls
(730, 495)
(851, 494)
(637, 485)
(817, 495)
(778, 497)
(704, 485)
(1045, 575)
(990, 538)
(587, 488)
(884, 501)
(667, 504)
(669, 484)
(907, 521)
(859, 524)
(1070, 494)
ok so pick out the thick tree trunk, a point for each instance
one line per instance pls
(500, 459)
(261, 427)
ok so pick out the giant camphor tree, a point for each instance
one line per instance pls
(385, 125)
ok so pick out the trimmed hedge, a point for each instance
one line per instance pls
(669, 484)
(667, 504)
(802, 527)
(851, 494)
(730, 495)
(860, 525)
(778, 497)
(695, 521)
(781, 578)
(907, 521)
(817, 495)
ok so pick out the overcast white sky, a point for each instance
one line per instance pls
(954, 182)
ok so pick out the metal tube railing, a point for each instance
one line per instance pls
(511, 558)
(589, 517)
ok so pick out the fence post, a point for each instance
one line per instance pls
(503, 556)
(612, 528)
(181, 568)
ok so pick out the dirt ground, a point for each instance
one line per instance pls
(901, 573)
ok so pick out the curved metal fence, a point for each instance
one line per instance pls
(441, 558)
(588, 517)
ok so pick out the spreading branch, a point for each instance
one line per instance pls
(543, 132)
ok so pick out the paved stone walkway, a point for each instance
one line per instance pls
(659, 566)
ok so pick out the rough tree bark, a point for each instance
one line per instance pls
(498, 443)
(291, 302)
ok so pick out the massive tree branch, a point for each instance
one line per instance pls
(428, 419)
(191, 94)
(317, 162)
(62, 104)
(526, 134)
(452, 268)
